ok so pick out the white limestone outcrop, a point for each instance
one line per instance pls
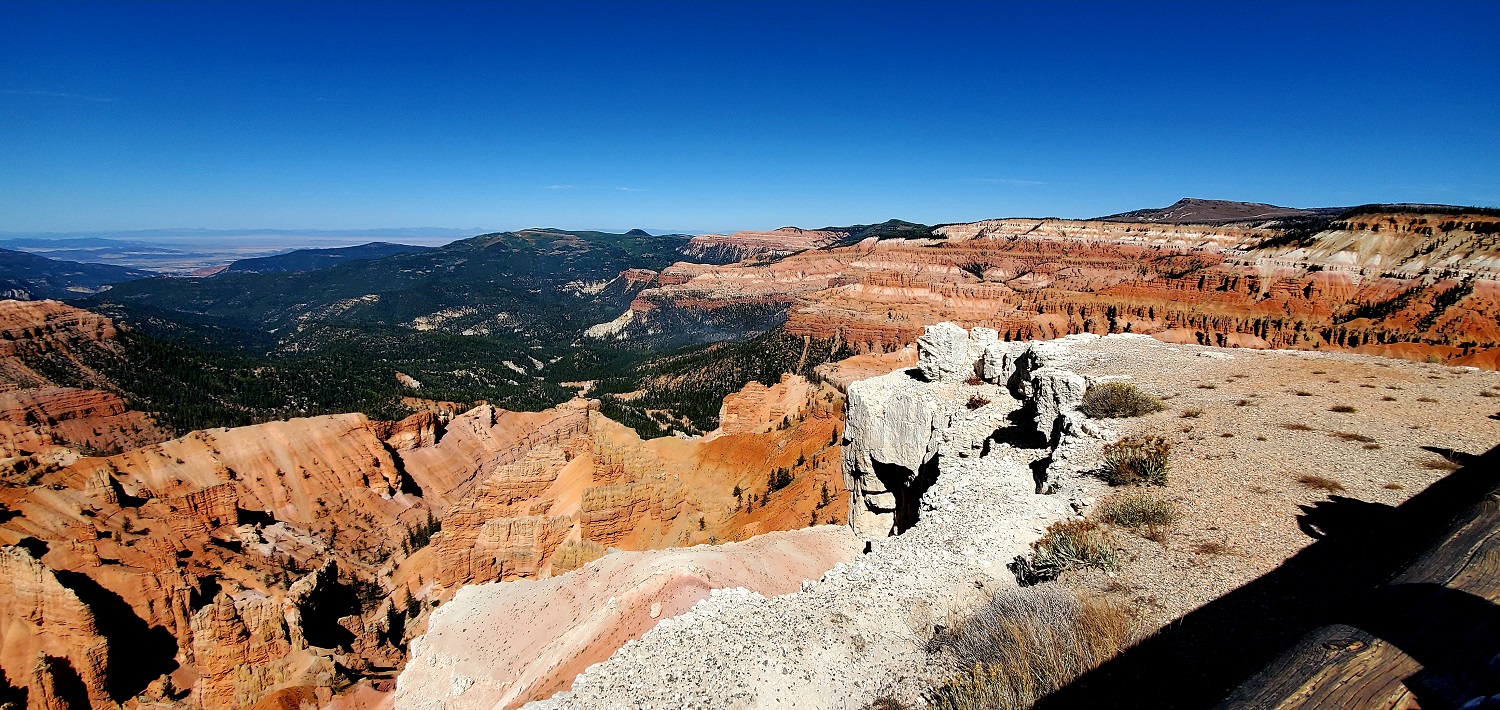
(899, 424)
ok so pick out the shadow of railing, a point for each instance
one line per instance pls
(1199, 659)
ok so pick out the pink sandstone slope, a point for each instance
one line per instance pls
(504, 644)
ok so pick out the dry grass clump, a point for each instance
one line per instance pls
(1320, 483)
(1114, 400)
(1192, 412)
(1342, 409)
(1137, 459)
(1429, 400)
(1387, 398)
(1020, 646)
(1294, 426)
(1211, 547)
(1134, 510)
(1303, 393)
(1352, 436)
(1393, 486)
(1068, 544)
(1440, 465)
(976, 401)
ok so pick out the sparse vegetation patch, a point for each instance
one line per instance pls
(1134, 510)
(1022, 645)
(1114, 400)
(1137, 460)
(1070, 544)
(1320, 483)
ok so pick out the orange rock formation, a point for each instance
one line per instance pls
(529, 494)
(1407, 285)
(750, 244)
(260, 565)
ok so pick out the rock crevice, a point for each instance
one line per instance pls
(968, 391)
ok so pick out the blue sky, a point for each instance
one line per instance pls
(715, 116)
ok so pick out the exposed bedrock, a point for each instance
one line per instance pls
(943, 460)
(967, 390)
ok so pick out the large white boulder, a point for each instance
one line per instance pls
(895, 420)
(943, 353)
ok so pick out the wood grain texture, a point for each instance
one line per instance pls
(1423, 640)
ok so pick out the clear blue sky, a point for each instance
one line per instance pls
(714, 116)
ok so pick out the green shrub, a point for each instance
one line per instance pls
(1020, 646)
(1133, 510)
(1135, 459)
(1069, 544)
(1113, 400)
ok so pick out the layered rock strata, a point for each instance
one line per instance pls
(46, 328)
(1407, 285)
(729, 248)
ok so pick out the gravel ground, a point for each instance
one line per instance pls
(1236, 463)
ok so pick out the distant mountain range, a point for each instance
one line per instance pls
(189, 232)
(313, 259)
(184, 252)
(1191, 210)
(30, 277)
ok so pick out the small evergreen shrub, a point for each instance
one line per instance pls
(1137, 460)
(1115, 400)
(1069, 544)
(778, 479)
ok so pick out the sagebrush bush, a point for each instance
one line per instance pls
(1068, 544)
(1137, 459)
(1133, 510)
(1114, 400)
(1020, 646)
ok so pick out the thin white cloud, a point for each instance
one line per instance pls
(55, 95)
(592, 187)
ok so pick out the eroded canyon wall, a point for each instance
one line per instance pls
(1409, 285)
(231, 567)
